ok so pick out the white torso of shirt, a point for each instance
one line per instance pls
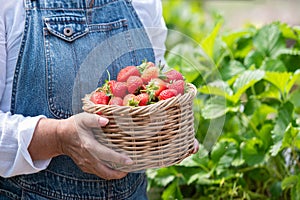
(15, 130)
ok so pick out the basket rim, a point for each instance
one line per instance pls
(192, 91)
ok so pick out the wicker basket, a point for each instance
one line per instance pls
(153, 136)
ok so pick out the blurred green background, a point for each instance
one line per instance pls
(244, 58)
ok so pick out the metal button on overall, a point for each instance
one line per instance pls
(68, 31)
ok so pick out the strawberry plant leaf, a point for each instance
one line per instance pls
(290, 181)
(269, 40)
(219, 88)
(215, 107)
(291, 58)
(283, 120)
(232, 69)
(271, 64)
(296, 190)
(254, 58)
(172, 192)
(287, 31)
(224, 152)
(245, 81)
(262, 113)
(164, 176)
(253, 151)
(196, 160)
(279, 80)
(294, 98)
(265, 136)
(208, 43)
(292, 82)
(191, 63)
(231, 38)
(289, 137)
(201, 177)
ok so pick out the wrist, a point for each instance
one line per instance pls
(44, 144)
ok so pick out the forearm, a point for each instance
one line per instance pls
(45, 143)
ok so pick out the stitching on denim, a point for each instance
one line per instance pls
(9, 194)
(108, 26)
(40, 190)
(31, 6)
(18, 64)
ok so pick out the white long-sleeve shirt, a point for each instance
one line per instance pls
(16, 131)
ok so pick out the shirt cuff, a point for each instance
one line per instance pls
(25, 135)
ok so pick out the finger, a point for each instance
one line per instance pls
(109, 155)
(107, 173)
(196, 146)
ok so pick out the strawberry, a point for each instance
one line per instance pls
(166, 94)
(116, 101)
(154, 87)
(126, 72)
(108, 86)
(177, 85)
(145, 65)
(119, 89)
(111, 84)
(173, 75)
(99, 97)
(150, 73)
(130, 100)
(143, 99)
(133, 83)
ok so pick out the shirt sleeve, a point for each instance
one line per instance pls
(16, 134)
(2, 57)
(16, 131)
(151, 15)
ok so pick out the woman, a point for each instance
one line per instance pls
(51, 53)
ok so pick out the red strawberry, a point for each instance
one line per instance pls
(119, 89)
(155, 86)
(150, 73)
(177, 85)
(111, 84)
(99, 97)
(130, 100)
(108, 86)
(173, 75)
(143, 99)
(116, 101)
(133, 83)
(126, 72)
(166, 94)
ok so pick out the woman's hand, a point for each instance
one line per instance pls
(74, 137)
(78, 142)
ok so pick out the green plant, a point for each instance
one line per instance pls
(246, 116)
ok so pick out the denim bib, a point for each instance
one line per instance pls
(68, 49)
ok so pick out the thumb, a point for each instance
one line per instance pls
(91, 120)
(102, 121)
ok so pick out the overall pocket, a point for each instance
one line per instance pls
(72, 44)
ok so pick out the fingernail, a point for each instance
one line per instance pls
(103, 121)
(128, 162)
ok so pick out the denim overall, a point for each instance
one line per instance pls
(68, 48)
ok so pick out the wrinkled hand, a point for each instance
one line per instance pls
(77, 141)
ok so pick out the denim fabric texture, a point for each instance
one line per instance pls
(67, 50)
